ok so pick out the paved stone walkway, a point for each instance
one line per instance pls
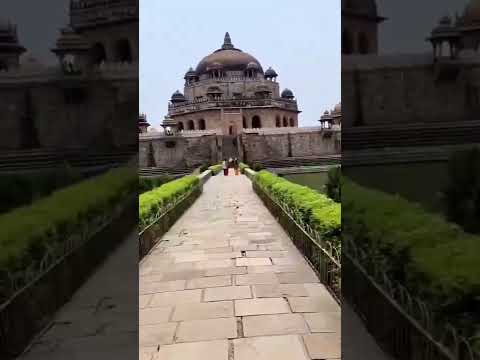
(227, 283)
(101, 320)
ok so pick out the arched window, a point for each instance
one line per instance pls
(285, 121)
(201, 124)
(363, 45)
(244, 122)
(123, 52)
(277, 122)
(180, 126)
(256, 122)
(98, 54)
(230, 130)
(347, 46)
(191, 125)
(292, 122)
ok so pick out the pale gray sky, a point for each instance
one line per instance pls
(299, 39)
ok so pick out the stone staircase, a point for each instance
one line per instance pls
(301, 161)
(41, 159)
(162, 171)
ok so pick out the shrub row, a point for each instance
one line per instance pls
(315, 209)
(215, 169)
(150, 183)
(333, 186)
(242, 166)
(20, 190)
(151, 202)
(436, 260)
(28, 231)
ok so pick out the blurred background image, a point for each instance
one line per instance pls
(68, 177)
(410, 91)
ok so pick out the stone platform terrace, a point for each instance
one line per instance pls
(227, 283)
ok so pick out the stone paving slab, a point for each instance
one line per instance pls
(211, 350)
(278, 324)
(199, 311)
(227, 293)
(323, 322)
(209, 329)
(238, 279)
(261, 306)
(288, 347)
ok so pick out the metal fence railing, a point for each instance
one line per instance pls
(323, 256)
(403, 325)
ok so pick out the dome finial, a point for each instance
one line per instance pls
(227, 42)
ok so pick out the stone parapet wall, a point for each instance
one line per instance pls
(179, 151)
(406, 89)
(281, 146)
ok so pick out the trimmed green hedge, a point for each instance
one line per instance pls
(242, 166)
(333, 186)
(215, 168)
(315, 209)
(150, 183)
(153, 201)
(21, 189)
(28, 231)
(434, 259)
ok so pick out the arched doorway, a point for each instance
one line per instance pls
(191, 125)
(292, 122)
(123, 51)
(256, 122)
(277, 122)
(285, 122)
(98, 54)
(180, 126)
(230, 130)
(363, 44)
(347, 46)
(201, 124)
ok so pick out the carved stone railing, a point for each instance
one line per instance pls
(88, 13)
(238, 102)
(285, 130)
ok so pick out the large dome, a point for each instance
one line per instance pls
(227, 58)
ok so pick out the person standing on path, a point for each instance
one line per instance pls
(225, 167)
(235, 165)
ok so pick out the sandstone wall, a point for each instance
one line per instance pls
(410, 94)
(104, 117)
(179, 152)
(230, 87)
(183, 151)
(223, 119)
(281, 146)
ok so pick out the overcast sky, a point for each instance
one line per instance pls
(299, 39)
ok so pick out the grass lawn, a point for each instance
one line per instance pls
(314, 181)
(418, 182)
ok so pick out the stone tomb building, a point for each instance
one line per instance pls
(229, 91)
(231, 107)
